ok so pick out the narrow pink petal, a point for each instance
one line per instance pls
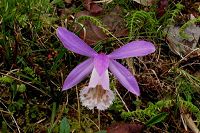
(133, 49)
(94, 79)
(74, 43)
(78, 74)
(105, 83)
(102, 80)
(101, 62)
(125, 77)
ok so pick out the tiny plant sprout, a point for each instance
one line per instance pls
(97, 93)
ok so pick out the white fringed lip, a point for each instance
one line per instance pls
(98, 93)
(96, 97)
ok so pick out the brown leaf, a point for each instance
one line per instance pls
(92, 33)
(92, 7)
(125, 128)
(190, 123)
(181, 46)
(145, 2)
(115, 22)
(68, 1)
(162, 6)
(87, 3)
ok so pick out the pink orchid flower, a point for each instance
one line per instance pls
(97, 93)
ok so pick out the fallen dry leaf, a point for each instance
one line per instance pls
(91, 34)
(145, 2)
(125, 128)
(103, 1)
(68, 1)
(190, 123)
(92, 7)
(179, 45)
(162, 6)
(115, 22)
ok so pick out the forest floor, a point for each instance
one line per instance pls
(34, 65)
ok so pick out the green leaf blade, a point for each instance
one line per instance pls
(64, 126)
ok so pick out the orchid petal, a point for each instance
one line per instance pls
(124, 76)
(133, 49)
(78, 74)
(105, 80)
(74, 43)
(101, 62)
(102, 80)
(94, 79)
